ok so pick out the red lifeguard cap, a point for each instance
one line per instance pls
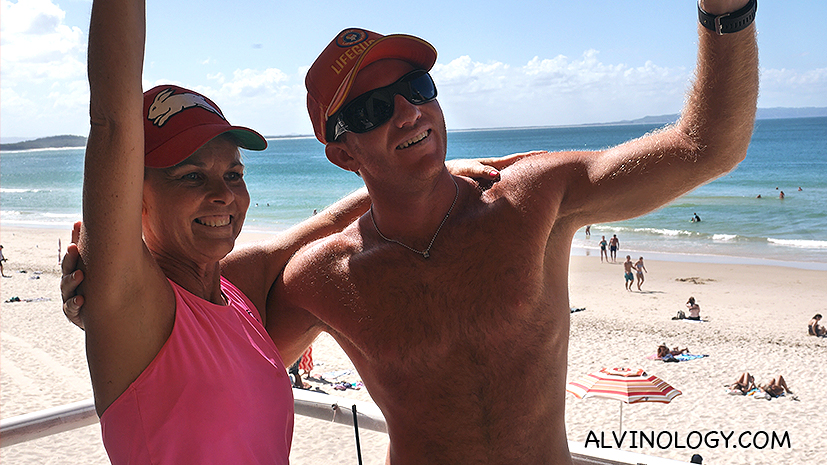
(331, 76)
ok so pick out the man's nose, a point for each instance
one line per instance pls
(404, 112)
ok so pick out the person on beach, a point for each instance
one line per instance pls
(664, 352)
(296, 376)
(639, 270)
(614, 244)
(743, 385)
(405, 291)
(603, 253)
(588, 230)
(694, 309)
(627, 272)
(815, 329)
(775, 387)
(2, 259)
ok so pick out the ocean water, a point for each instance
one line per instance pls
(292, 178)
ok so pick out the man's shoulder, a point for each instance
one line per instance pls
(542, 177)
(332, 248)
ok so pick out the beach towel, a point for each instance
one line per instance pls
(306, 362)
(676, 358)
(336, 374)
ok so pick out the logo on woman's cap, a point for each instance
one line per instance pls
(167, 104)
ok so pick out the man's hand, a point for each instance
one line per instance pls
(71, 279)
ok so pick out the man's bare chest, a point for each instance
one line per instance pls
(468, 294)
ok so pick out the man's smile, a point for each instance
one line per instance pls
(215, 221)
(417, 138)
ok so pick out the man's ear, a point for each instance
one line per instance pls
(338, 155)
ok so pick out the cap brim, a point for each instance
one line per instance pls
(182, 145)
(395, 46)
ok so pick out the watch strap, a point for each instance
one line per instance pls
(729, 23)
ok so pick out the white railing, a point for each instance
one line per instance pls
(67, 417)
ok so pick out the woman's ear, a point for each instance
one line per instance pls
(337, 153)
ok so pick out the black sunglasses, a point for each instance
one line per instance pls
(374, 108)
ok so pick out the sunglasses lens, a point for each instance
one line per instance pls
(422, 90)
(368, 111)
(375, 108)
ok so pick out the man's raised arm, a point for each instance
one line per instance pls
(710, 138)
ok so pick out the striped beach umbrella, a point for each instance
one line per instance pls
(624, 384)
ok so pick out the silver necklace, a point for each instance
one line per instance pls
(427, 252)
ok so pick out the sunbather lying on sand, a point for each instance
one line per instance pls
(664, 350)
(745, 384)
(775, 387)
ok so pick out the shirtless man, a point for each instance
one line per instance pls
(614, 244)
(639, 269)
(627, 272)
(428, 292)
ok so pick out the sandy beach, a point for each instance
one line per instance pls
(754, 316)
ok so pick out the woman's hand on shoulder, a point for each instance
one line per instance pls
(485, 169)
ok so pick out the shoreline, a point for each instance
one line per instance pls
(704, 258)
(255, 234)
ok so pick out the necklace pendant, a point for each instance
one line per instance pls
(427, 252)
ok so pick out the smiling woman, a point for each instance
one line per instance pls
(197, 206)
(164, 199)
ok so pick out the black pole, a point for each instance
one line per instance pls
(356, 429)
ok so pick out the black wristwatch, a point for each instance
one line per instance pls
(728, 23)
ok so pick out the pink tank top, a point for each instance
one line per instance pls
(217, 392)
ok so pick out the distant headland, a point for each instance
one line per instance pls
(761, 113)
(66, 141)
(53, 142)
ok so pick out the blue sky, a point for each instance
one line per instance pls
(501, 64)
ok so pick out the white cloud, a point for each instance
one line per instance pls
(551, 91)
(36, 43)
(555, 91)
(45, 91)
(270, 100)
(793, 88)
(542, 92)
(43, 70)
